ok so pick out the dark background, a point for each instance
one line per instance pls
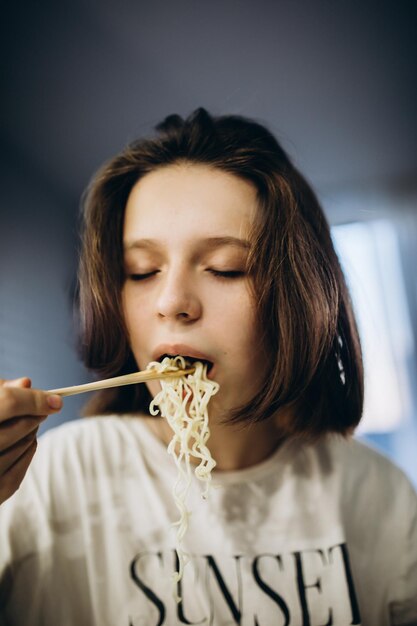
(335, 81)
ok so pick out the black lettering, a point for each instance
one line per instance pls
(235, 610)
(267, 589)
(146, 590)
(180, 605)
(356, 618)
(302, 587)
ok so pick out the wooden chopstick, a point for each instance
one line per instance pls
(119, 381)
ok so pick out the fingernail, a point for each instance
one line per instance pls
(13, 382)
(55, 402)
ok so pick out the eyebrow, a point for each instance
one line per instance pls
(209, 243)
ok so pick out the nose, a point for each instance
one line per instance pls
(178, 298)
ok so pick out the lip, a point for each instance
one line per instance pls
(181, 349)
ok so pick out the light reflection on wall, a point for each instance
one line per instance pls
(370, 258)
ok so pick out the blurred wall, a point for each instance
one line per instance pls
(38, 244)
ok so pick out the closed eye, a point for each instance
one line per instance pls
(227, 274)
(144, 276)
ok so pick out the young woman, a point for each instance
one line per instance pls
(205, 241)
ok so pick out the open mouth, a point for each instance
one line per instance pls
(189, 360)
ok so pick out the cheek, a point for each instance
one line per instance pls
(135, 322)
(134, 310)
(242, 321)
(126, 306)
(249, 342)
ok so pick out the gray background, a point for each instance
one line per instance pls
(335, 81)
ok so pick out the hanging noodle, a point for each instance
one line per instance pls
(183, 403)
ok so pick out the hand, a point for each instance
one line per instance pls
(22, 409)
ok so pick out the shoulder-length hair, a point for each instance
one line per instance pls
(302, 300)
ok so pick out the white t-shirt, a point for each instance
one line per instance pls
(316, 535)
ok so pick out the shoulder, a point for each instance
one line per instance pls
(88, 445)
(82, 435)
(346, 457)
(357, 479)
(358, 462)
(92, 431)
(89, 431)
(379, 506)
(82, 458)
(367, 483)
(358, 465)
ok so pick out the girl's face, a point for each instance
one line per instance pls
(186, 289)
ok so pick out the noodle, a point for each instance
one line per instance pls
(183, 403)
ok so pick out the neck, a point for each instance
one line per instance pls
(233, 447)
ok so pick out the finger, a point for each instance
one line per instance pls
(17, 428)
(16, 382)
(10, 456)
(11, 480)
(15, 401)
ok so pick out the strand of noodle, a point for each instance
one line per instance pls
(186, 422)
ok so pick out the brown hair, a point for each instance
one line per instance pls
(302, 299)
